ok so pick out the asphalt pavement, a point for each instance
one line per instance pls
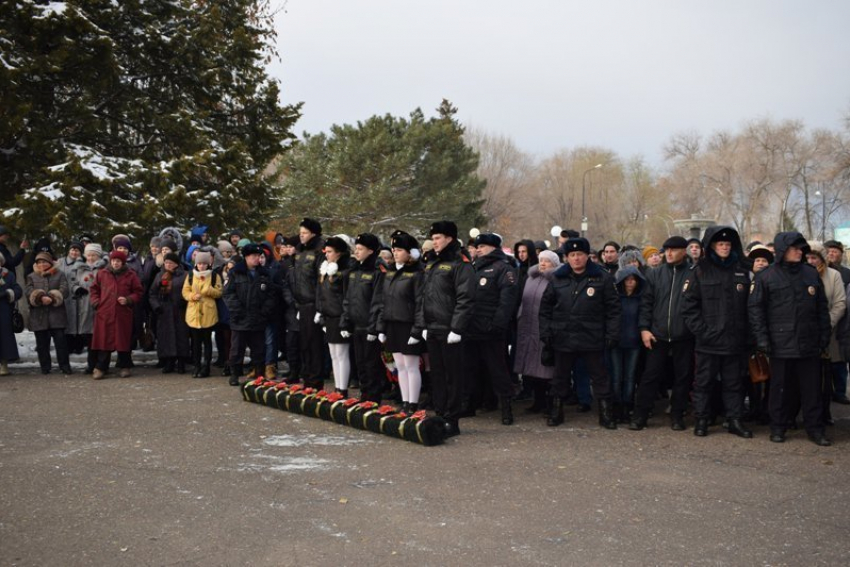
(169, 470)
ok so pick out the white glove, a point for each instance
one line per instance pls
(344, 334)
(454, 338)
(412, 341)
(371, 338)
(317, 318)
(298, 316)
(325, 330)
(382, 337)
(425, 335)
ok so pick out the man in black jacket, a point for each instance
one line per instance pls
(715, 310)
(446, 311)
(790, 320)
(12, 260)
(579, 317)
(664, 334)
(496, 292)
(360, 309)
(305, 280)
(251, 298)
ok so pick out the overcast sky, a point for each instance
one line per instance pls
(621, 74)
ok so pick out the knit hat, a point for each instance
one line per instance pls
(551, 256)
(76, 244)
(292, 240)
(761, 251)
(155, 242)
(236, 232)
(190, 252)
(576, 245)
(203, 258)
(93, 248)
(488, 239)
(224, 246)
(243, 243)
(337, 244)
(693, 239)
(173, 257)
(368, 240)
(168, 243)
(816, 248)
(675, 242)
(118, 255)
(312, 225)
(121, 240)
(404, 241)
(649, 251)
(47, 256)
(444, 227)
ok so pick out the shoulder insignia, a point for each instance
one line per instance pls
(812, 290)
(685, 287)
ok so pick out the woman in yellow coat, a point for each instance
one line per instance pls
(200, 290)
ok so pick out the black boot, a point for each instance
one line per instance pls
(412, 408)
(234, 375)
(539, 392)
(677, 423)
(606, 417)
(196, 368)
(205, 369)
(638, 421)
(736, 427)
(226, 370)
(627, 413)
(701, 427)
(181, 366)
(452, 428)
(556, 412)
(507, 414)
(167, 365)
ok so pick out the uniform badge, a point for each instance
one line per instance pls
(752, 287)
(685, 287)
(591, 291)
(482, 281)
(812, 290)
(740, 287)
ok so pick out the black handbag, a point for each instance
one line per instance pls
(17, 319)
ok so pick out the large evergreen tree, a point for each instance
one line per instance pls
(133, 115)
(384, 174)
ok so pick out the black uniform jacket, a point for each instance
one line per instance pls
(496, 292)
(402, 297)
(305, 271)
(580, 312)
(448, 291)
(661, 303)
(363, 295)
(251, 300)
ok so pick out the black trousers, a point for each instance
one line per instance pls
(42, 347)
(222, 342)
(795, 383)
(254, 340)
(682, 353)
(447, 374)
(201, 338)
(293, 353)
(487, 359)
(730, 368)
(312, 345)
(595, 361)
(104, 356)
(369, 366)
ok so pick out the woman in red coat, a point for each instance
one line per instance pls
(114, 293)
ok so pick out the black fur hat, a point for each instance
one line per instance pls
(312, 225)
(368, 240)
(489, 239)
(576, 245)
(444, 227)
(401, 239)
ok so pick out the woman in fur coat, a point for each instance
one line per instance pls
(46, 291)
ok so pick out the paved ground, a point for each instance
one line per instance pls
(165, 470)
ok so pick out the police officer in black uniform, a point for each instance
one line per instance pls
(305, 281)
(360, 310)
(496, 293)
(789, 315)
(715, 310)
(447, 301)
(579, 317)
(665, 335)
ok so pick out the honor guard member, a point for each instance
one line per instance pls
(305, 283)
(790, 320)
(579, 318)
(360, 310)
(496, 292)
(446, 306)
(665, 335)
(715, 310)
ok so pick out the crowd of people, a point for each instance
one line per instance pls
(461, 328)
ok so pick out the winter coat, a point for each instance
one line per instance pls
(496, 296)
(402, 297)
(524, 267)
(172, 332)
(284, 279)
(80, 290)
(113, 322)
(51, 282)
(630, 307)
(251, 299)
(529, 347)
(448, 291)
(10, 293)
(69, 268)
(661, 303)
(150, 268)
(12, 260)
(202, 314)
(788, 309)
(362, 301)
(305, 277)
(580, 312)
(332, 287)
(836, 300)
(714, 302)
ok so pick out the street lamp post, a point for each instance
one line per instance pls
(583, 195)
(823, 215)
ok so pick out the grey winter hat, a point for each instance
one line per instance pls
(96, 248)
(202, 257)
